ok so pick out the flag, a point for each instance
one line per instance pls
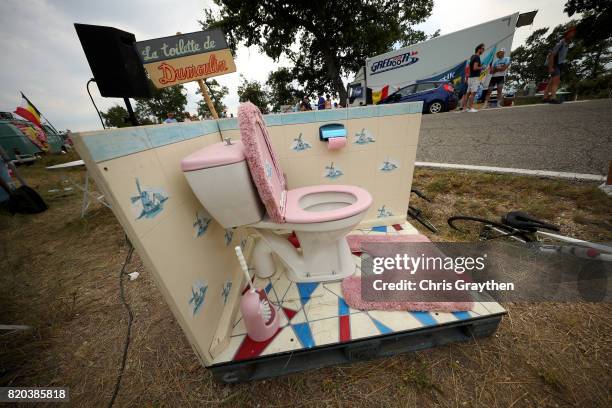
(380, 95)
(28, 111)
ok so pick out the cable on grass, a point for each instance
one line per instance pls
(127, 307)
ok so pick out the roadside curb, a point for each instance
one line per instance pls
(510, 170)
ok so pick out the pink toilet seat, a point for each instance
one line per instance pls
(296, 215)
(281, 205)
(262, 160)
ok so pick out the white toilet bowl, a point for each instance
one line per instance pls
(325, 254)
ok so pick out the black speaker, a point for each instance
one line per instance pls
(113, 61)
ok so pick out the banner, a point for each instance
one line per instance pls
(187, 57)
(455, 75)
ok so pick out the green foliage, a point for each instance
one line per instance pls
(255, 93)
(595, 25)
(116, 116)
(528, 60)
(171, 99)
(325, 40)
(596, 58)
(583, 61)
(589, 57)
(600, 87)
(217, 92)
(282, 89)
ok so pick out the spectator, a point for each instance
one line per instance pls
(474, 78)
(462, 88)
(336, 105)
(328, 102)
(321, 102)
(170, 118)
(187, 117)
(305, 105)
(499, 68)
(555, 62)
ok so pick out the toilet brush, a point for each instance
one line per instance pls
(260, 317)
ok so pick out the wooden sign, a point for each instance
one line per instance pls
(187, 57)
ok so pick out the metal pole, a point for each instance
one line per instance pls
(94, 104)
(49, 123)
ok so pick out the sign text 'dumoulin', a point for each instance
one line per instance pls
(187, 57)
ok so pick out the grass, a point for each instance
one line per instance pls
(59, 275)
(581, 209)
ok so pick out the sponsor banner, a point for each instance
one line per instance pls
(395, 62)
(187, 57)
(455, 75)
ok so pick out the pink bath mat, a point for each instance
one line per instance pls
(355, 241)
(414, 300)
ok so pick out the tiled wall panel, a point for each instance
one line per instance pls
(190, 255)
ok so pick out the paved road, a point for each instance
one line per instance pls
(572, 137)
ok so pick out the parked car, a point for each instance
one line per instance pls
(436, 96)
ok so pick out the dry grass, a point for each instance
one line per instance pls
(59, 275)
(580, 209)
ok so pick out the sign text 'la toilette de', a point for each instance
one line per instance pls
(186, 57)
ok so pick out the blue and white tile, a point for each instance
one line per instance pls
(397, 321)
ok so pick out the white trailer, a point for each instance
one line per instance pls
(441, 58)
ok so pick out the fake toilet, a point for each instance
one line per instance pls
(240, 183)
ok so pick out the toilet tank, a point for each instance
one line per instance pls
(219, 176)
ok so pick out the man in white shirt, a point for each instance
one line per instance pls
(499, 69)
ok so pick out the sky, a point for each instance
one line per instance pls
(43, 58)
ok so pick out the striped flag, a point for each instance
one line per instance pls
(380, 95)
(28, 111)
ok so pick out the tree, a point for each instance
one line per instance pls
(171, 99)
(528, 60)
(217, 92)
(116, 116)
(282, 89)
(594, 31)
(327, 39)
(585, 60)
(255, 93)
(595, 25)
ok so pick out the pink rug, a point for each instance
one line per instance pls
(413, 300)
(356, 240)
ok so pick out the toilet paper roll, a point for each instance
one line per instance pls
(335, 143)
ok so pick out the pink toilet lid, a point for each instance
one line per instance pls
(263, 163)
